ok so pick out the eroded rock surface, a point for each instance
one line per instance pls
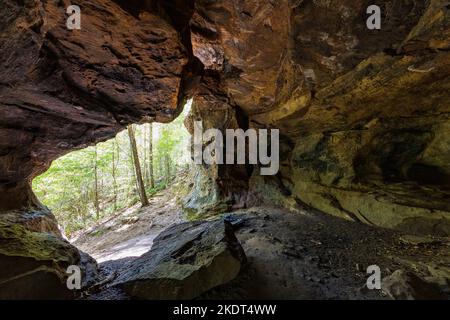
(363, 114)
(185, 261)
(61, 90)
(34, 263)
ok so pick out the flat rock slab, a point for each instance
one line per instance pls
(185, 261)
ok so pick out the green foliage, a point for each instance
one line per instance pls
(172, 146)
(69, 189)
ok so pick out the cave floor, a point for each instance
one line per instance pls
(301, 255)
(311, 255)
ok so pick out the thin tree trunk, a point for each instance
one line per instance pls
(167, 165)
(117, 142)
(114, 163)
(85, 207)
(133, 173)
(137, 167)
(150, 156)
(146, 179)
(96, 201)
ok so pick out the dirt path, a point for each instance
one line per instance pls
(131, 232)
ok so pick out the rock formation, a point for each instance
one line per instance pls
(185, 261)
(34, 259)
(402, 285)
(363, 114)
(62, 89)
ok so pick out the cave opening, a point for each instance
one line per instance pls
(95, 192)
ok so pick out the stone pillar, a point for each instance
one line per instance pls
(217, 188)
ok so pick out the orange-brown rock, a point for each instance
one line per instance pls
(363, 114)
(65, 89)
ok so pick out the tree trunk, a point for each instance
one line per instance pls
(144, 165)
(133, 181)
(150, 156)
(137, 167)
(85, 207)
(96, 201)
(114, 164)
(167, 165)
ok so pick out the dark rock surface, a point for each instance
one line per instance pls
(61, 90)
(185, 261)
(402, 285)
(34, 264)
(311, 255)
(34, 259)
(364, 114)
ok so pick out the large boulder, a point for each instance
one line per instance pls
(185, 261)
(34, 264)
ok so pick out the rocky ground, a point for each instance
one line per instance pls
(302, 255)
(316, 256)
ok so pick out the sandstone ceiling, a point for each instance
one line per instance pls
(364, 114)
(62, 89)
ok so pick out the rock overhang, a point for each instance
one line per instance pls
(309, 68)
